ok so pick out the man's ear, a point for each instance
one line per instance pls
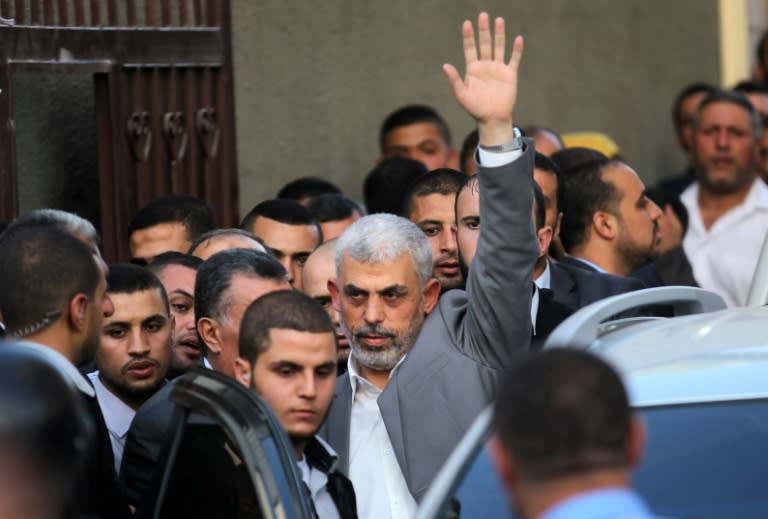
(78, 312)
(431, 295)
(243, 371)
(604, 225)
(635, 441)
(210, 333)
(544, 236)
(333, 289)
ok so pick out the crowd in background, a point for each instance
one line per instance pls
(375, 331)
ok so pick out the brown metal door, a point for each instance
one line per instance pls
(163, 94)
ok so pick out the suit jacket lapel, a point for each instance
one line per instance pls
(337, 423)
(390, 411)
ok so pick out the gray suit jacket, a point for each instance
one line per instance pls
(450, 373)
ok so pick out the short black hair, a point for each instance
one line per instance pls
(166, 259)
(413, 114)
(332, 207)
(188, 210)
(283, 309)
(229, 231)
(214, 277)
(736, 98)
(41, 269)
(442, 181)
(750, 87)
(468, 148)
(307, 187)
(664, 197)
(127, 278)
(583, 192)
(385, 186)
(284, 211)
(687, 91)
(572, 158)
(563, 412)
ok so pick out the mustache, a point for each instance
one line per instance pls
(140, 361)
(368, 329)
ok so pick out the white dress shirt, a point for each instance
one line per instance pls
(545, 278)
(380, 487)
(117, 416)
(724, 256)
(316, 480)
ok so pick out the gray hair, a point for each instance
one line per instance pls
(62, 220)
(733, 97)
(384, 237)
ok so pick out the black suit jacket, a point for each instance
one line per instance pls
(550, 314)
(576, 284)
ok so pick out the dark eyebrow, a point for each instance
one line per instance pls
(471, 217)
(327, 365)
(284, 364)
(182, 292)
(394, 289)
(349, 287)
(301, 254)
(430, 222)
(154, 318)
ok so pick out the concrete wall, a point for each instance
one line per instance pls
(313, 80)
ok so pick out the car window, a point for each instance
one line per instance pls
(481, 493)
(207, 477)
(706, 460)
(227, 456)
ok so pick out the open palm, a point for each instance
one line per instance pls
(489, 89)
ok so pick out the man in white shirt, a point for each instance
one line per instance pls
(288, 356)
(135, 350)
(728, 204)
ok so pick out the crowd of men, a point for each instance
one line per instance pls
(375, 332)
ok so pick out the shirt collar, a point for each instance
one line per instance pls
(545, 278)
(64, 366)
(587, 262)
(357, 380)
(608, 502)
(320, 455)
(117, 414)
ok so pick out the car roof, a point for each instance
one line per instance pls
(709, 357)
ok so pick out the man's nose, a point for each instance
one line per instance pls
(448, 241)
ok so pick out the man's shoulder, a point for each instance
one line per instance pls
(597, 285)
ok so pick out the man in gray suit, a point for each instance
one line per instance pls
(422, 369)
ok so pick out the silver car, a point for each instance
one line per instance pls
(700, 381)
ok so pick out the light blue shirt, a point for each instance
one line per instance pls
(615, 503)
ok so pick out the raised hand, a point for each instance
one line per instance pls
(489, 89)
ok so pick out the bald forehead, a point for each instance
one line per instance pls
(320, 267)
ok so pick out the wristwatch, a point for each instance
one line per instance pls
(515, 144)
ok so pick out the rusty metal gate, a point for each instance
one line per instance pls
(163, 92)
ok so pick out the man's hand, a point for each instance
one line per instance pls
(489, 89)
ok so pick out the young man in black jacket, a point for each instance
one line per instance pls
(288, 356)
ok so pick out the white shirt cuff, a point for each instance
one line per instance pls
(493, 160)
